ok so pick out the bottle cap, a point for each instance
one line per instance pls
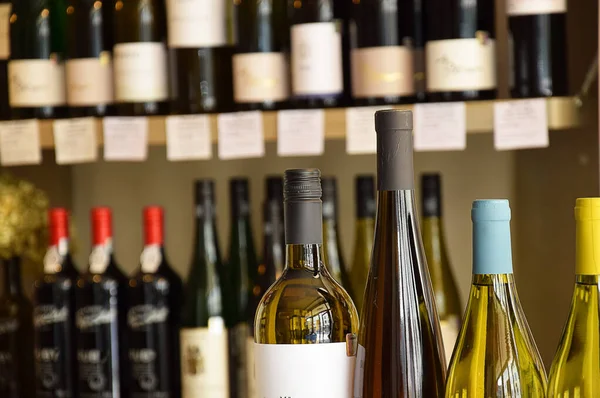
(587, 253)
(58, 224)
(431, 195)
(365, 196)
(490, 210)
(394, 150)
(239, 193)
(204, 189)
(153, 225)
(303, 208)
(101, 225)
(302, 184)
(492, 252)
(392, 119)
(587, 209)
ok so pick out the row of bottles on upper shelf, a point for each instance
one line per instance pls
(144, 57)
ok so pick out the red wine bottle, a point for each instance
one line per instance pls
(153, 320)
(54, 307)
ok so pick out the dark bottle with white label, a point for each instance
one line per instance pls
(16, 335)
(53, 315)
(155, 297)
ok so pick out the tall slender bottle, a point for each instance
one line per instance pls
(5, 13)
(444, 287)
(16, 335)
(204, 345)
(331, 236)
(306, 319)
(155, 297)
(400, 352)
(575, 371)
(495, 355)
(363, 236)
(54, 315)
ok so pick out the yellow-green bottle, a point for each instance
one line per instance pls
(331, 237)
(575, 371)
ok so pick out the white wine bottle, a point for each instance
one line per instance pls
(306, 319)
(400, 351)
(495, 355)
(575, 371)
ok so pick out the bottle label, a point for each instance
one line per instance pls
(145, 315)
(140, 72)
(250, 368)
(259, 77)
(90, 80)
(450, 328)
(533, 7)
(5, 11)
(382, 72)
(36, 82)
(9, 385)
(204, 362)
(317, 59)
(461, 64)
(272, 364)
(196, 23)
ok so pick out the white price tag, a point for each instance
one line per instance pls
(20, 143)
(521, 124)
(300, 132)
(188, 137)
(125, 139)
(360, 130)
(440, 126)
(241, 135)
(75, 140)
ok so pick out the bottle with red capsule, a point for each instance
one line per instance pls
(153, 320)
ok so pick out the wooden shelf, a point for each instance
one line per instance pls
(563, 113)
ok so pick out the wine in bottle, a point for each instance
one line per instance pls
(575, 371)
(16, 335)
(538, 41)
(306, 318)
(5, 13)
(201, 50)
(460, 50)
(89, 57)
(318, 39)
(204, 345)
(36, 76)
(260, 64)
(140, 58)
(495, 355)
(444, 287)
(363, 238)
(400, 351)
(331, 237)
(53, 315)
(155, 297)
(382, 58)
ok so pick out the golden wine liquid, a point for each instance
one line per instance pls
(363, 246)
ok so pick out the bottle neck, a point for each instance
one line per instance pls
(587, 236)
(492, 252)
(433, 243)
(58, 257)
(272, 230)
(206, 231)
(307, 257)
(304, 234)
(12, 276)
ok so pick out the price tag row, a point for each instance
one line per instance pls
(437, 127)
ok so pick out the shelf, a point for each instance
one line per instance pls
(563, 114)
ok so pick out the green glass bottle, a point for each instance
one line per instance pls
(331, 237)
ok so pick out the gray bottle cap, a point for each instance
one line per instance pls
(394, 150)
(302, 184)
(303, 208)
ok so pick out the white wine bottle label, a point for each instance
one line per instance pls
(36, 82)
(204, 363)
(535, 7)
(5, 10)
(140, 72)
(461, 64)
(382, 71)
(273, 378)
(450, 329)
(250, 368)
(317, 59)
(90, 80)
(196, 23)
(260, 77)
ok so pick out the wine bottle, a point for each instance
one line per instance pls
(363, 236)
(89, 57)
(460, 50)
(53, 315)
(306, 318)
(155, 297)
(331, 236)
(200, 43)
(419, 50)
(318, 39)
(538, 41)
(382, 59)
(260, 64)
(495, 355)
(400, 352)
(444, 286)
(204, 345)
(36, 76)
(575, 370)
(16, 335)
(140, 58)
(5, 13)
